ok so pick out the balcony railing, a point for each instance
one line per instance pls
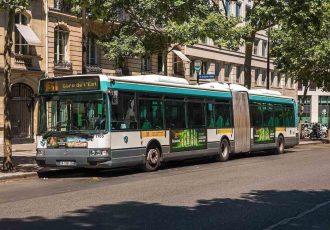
(28, 62)
(63, 65)
(93, 68)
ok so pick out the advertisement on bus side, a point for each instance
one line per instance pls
(264, 135)
(188, 139)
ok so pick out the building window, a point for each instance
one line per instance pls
(264, 48)
(61, 45)
(217, 71)
(255, 46)
(238, 74)
(300, 86)
(247, 12)
(62, 5)
(256, 75)
(205, 67)
(272, 77)
(21, 46)
(306, 113)
(324, 109)
(227, 7)
(160, 63)
(263, 77)
(238, 9)
(312, 86)
(91, 50)
(146, 63)
(227, 72)
(279, 79)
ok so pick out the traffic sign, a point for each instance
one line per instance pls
(197, 65)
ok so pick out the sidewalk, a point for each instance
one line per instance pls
(25, 165)
(23, 159)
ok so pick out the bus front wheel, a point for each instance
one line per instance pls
(224, 151)
(152, 160)
(280, 145)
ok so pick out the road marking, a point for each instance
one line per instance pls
(287, 220)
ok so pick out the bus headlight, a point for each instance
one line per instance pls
(98, 152)
(40, 152)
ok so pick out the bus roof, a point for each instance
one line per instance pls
(162, 82)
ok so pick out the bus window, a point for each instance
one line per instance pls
(267, 115)
(175, 115)
(256, 114)
(196, 115)
(151, 114)
(223, 117)
(73, 113)
(210, 115)
(123, 114)
(278, 115)
(289, 116)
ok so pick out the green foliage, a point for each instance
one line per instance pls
(137, 27)
(301, 45)
(13, 4)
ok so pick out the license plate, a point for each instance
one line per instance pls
(67, 163)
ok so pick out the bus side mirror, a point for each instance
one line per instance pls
(114, 97)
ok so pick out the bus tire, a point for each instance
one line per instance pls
(152, 161)
(224, 150)
(280, 145)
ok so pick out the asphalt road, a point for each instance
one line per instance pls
(261, 191)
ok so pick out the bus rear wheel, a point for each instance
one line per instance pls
(224, 151)
(152, 161)
(280, 145)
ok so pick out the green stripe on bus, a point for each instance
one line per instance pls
(170, 90)
(271, 99)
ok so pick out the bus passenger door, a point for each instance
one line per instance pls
(241, 117)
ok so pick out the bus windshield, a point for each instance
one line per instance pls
(79, 113)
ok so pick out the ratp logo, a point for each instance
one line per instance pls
(126, 139)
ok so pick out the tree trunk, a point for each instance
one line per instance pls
(248, 59)
(7, 143)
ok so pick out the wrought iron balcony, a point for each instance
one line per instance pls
(63, 65)
(93, 68)
(26, 61)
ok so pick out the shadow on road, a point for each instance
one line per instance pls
(83, 172)
(256, 210)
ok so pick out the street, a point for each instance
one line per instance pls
(260, 191)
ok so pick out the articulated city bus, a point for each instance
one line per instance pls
(106, 122)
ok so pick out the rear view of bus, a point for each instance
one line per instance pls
(73, 122)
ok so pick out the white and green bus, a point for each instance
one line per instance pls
(106, 122)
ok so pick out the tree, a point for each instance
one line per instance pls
(10, 6)
(139, 27)
(301, 45)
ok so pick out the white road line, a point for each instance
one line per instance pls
(287, 220)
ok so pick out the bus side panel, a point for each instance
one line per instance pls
(214, 137)
(126, 148)
(291, 136)
(160, 136)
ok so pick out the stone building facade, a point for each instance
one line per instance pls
(48, 43)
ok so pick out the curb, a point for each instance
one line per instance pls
(18, 176)
(326, 141)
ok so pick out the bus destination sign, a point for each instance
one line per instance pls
(72, 84)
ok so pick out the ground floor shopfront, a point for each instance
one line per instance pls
(316, 107)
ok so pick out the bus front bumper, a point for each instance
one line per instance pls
(73, 158)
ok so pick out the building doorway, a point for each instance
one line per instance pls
(21, 113)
